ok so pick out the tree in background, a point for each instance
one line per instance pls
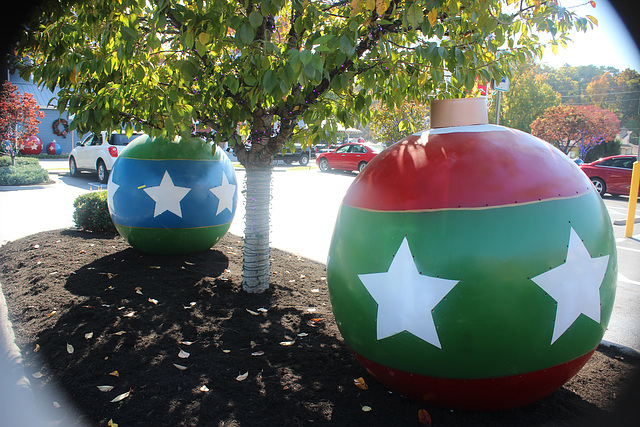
(19, 114)
(528, 97)
(160, 66)
(570, 126)
(390, 125)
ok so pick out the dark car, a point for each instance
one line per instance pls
(299, 155)
(611, 174)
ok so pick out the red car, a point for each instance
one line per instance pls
(610, 174)
(350, 157)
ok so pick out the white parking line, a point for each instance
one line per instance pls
(628, 249)
(624, 239)
(622, 278)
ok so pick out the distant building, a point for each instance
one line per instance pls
(48, 102)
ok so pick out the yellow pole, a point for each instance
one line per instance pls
(633, 199)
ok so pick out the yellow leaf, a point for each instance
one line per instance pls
(432, 16)
(112, 424)
(203, 38)
(361, 384)
(382, 6)
(114, 374)
(366, 408)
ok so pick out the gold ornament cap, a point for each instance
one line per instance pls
(458, 112)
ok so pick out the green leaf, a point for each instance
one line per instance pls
(323, 40)
(255, 19)
(246, 34)
(270, 81)
(306, 56)
(414, 15)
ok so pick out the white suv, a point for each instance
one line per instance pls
(97, 153)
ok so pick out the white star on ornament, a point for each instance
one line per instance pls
(575, 285)
(406, 298)
(167, 196)
(224, 192)
(112, 187)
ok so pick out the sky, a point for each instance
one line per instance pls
(608, 44)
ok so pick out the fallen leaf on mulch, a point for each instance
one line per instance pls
(183, 354)
(360, 383)
(70, 348)
(180, 367)
(366, 408)
(105, 388)
(121, 397)
(114, 374)
(424, 417)
(242, 377)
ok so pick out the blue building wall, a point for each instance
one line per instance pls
(45, 131)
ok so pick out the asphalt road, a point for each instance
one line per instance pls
(305, 204)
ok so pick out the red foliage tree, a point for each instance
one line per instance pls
(569, 126)
(19, 114)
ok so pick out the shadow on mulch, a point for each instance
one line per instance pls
(178, 335)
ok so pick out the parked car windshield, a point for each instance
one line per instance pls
(121, 139)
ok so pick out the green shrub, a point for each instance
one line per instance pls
(20, 161)
(92, 212)
(25, 172)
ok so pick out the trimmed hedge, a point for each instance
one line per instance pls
(27, 171)
(92, 212)
(20, 161)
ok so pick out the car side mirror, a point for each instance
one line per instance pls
(79, 144)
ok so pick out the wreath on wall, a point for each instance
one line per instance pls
(56, 127)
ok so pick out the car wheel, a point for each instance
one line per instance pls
(73, 168)
(304, 160)
(103, 173)
(324, 165)
(361, 166)
(287, 161)
(599, 185)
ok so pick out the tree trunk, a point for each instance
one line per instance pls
(256, 264)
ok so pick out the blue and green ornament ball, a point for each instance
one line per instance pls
(172, 197)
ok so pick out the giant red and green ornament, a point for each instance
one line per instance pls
(472, 266)
(172, 197)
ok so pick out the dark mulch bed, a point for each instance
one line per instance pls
(125, 311)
